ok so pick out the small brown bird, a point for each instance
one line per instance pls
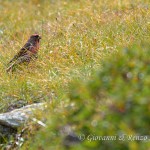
(27, 52)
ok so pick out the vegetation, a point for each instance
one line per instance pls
(92, 70)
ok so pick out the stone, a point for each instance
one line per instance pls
(17, 117)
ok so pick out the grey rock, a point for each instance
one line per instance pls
(19, 116)
(70, 137)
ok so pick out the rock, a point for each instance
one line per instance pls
(17, 117)
(10, 121)
(70, 137)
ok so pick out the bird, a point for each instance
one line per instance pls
(27, 52)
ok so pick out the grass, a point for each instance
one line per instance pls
(76, 36)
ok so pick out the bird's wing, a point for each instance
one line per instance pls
(20, 60)
(27, 46)
(22, 51)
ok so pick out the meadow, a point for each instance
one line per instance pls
(92, 69)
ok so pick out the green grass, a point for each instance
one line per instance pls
(76, 37)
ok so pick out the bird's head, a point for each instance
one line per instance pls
(35, 37)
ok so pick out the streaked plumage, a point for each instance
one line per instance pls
(27, 52)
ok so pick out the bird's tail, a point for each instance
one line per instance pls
(12, 60)
(10, 68)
